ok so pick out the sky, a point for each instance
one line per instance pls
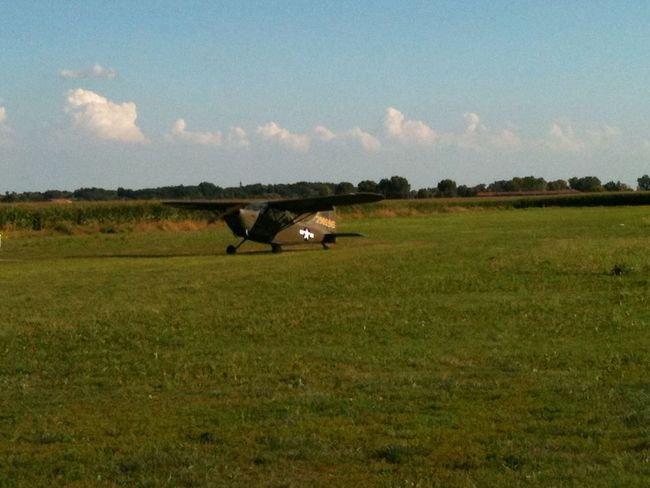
(152, 93)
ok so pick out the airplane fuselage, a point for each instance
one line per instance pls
(281, 227)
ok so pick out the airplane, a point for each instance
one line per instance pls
(281, 222)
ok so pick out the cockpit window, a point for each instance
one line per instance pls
(259, 206)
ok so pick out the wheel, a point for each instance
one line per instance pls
(276, 248)
(231, 249)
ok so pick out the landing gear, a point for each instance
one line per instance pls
(276, 248)
(233, 249)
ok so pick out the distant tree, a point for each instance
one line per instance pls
(528, 183)
(395, 187)
(324, 189)
(125, 194)
(586, 183)
(557, 185)
(426, 193)
(209, 190)
(616, 186)
(447, 188)
(644, 183)
(500, 186)
(94, 194)
(31, 196)
(56, 194)
(254, 190)
(368, 186)
(466, 191)
(343, 188)
(10, 197)
(300, 189)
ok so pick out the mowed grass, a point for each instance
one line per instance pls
(484, 348)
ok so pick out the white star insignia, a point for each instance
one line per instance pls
(306, 234)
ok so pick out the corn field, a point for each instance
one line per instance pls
(58, 216)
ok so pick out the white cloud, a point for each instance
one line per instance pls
(473, 123)
(324, 134)
(479, 137)
(407, 131)
(368, 142)
(103, 118)
(506, 139)
(237, 137)
(604, 135)
(562, 136)
(357, 136)
(180, 133)
(273, 132)
(5, 130)
(95, 71)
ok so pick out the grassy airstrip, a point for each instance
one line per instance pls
(470, 348)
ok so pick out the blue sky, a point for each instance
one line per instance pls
(138, 94)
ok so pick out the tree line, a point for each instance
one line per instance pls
(393, 187)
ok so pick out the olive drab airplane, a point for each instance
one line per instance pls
(281, 222)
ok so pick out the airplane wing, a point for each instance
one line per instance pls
(295, 205)
(321, 204)
(214, 205)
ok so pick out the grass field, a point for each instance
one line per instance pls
(478, 348)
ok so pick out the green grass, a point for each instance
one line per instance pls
(454, 349)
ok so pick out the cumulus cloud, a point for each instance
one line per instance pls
(180, 133)
(5, 130)
(473, 123)
(274, 133)
(368, 142)
(407, 131)
(603, 135)
(506, 139)
(237, 137)
(104, 118)
(95, 71)
(357, 136)
(562, 136)
(324, 134)
(476, 136)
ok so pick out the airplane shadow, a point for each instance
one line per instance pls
(136, 256)
(254, 252)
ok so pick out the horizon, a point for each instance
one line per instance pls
(154, 94)
(413, 189)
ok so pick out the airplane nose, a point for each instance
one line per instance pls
(236, 222)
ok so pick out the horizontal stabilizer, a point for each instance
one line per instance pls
(347, 234)
(331, 238)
